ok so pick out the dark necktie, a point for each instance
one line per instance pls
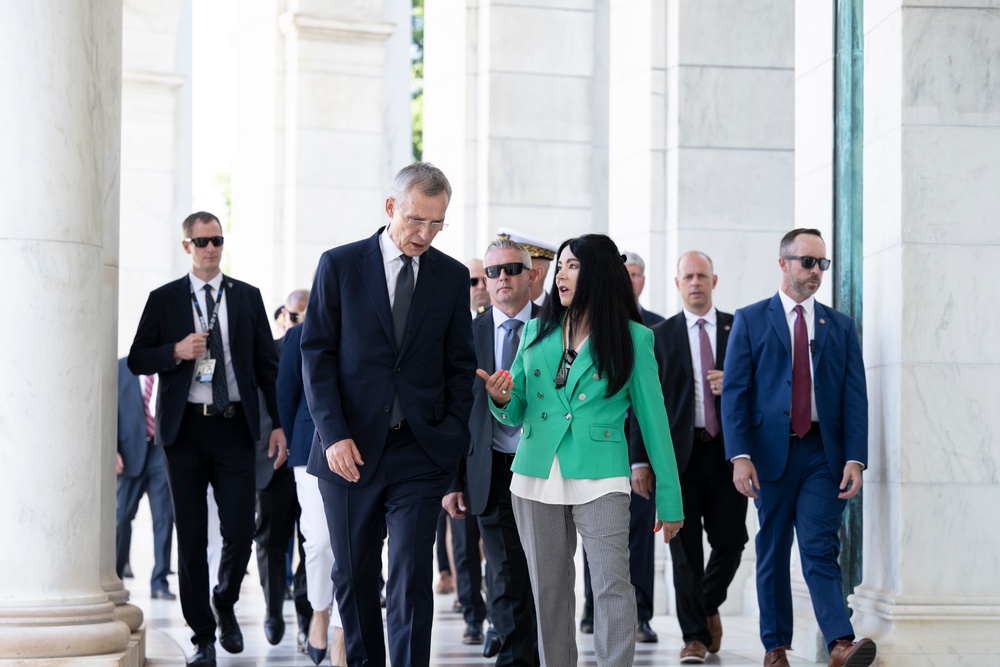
(508, 349)
(147, 396)
(400, 312)
(707, 364)
(401, 300)
(801, 378)
(220, 388)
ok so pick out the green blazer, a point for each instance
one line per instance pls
(581, 424)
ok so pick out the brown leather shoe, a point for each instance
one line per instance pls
(846, 653)
(693, 653)
(714, 623)
(776, 657)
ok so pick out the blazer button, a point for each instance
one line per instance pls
(522, 430)
(385, 408)
(537, 372)
(503, 415)
(583, 397)
(596, 376)
(544, 415)
(539, 394)
(568, 415)
(607, 434)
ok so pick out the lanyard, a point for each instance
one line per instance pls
(207, 328)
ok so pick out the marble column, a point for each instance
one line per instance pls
(59, 184)
(930, 592)
(323, 89)
(516, 113)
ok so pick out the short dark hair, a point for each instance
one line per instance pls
(604, 295)
(424, 176)
(203, 216)
(789, 238)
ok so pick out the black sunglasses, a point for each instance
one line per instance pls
(512, 269)
(202, 241)
(473, 282)
(809, 262)
(294, 317)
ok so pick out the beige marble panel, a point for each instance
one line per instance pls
(549, 41)
(723, 189)
(541, 107)
(730, 33)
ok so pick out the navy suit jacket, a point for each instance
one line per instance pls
(352, 369)
(132, 443)
(292, 405)
(168, 318)
(757, 388)
(673, 355)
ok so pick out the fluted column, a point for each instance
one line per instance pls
(60, 68)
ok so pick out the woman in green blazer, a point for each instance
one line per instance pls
(580, 365)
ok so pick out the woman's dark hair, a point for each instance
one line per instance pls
(604, 296)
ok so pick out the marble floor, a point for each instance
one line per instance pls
(168, 638)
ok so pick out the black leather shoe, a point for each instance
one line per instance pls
(645, 634)
(274, 630)
(473, 634)
(162, 594)
(587, 626)
(230, 636)
(491, 644)
(204, 656)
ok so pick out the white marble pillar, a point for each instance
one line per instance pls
(59, 184)
(930, 593)
(323, 90)
(516, 113)
(729, 141)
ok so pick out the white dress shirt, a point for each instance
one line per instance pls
(201, 392)
(394, 264)
(694, 341)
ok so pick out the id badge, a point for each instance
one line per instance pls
(205, 370)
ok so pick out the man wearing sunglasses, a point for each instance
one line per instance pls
(479, 297)
(208, 337)
(795, 417)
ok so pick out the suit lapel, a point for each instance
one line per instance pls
(483, 332)
(581, 367)
(232, 298)
(423, 294)
(679, 334)
(372, 270)
(724, 323)
(821, 327)
(780, 323)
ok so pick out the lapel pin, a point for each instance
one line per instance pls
(727, 327)
(822, 321)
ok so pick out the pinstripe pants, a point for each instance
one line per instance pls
(548, 535)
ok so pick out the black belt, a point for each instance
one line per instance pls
(702, 435)
(209, 410)
(504, 457)
(813, 430)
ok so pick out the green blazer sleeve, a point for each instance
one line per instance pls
(646, 395)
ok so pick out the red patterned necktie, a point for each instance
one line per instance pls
(801, 378)
(147, 396)
(707, 364)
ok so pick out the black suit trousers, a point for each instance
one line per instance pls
(468, 569)
(710, 499)
(511, 603)
(277, 512)
(403, 498)
(220, 452)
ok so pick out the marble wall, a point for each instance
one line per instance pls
(932, 125)
(516, 114)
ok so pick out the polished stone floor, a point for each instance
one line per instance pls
(168, 638)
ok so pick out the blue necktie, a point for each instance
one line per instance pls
(220, 388)
(508, 349)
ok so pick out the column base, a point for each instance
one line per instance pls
(936, 632)
(134, 655)
(61, 632)
(127, 613)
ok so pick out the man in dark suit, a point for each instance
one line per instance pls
(141, 470)
(208, 337)
(642, 505)
(278, 512)
(388, 362)
(690, 348)
(795, 415)
(481, 487)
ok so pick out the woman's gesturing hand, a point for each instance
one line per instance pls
(498, 385)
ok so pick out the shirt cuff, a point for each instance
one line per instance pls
(640, 465)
